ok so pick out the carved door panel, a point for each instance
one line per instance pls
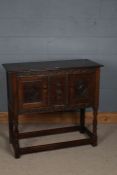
(58, 90)
(33, 92)
(81, 89)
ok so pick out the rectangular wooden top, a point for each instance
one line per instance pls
(50, 65)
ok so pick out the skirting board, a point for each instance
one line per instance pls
(61, 118)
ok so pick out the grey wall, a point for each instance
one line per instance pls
(32, 30)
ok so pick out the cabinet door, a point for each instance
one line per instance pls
(33, 92)
(57, 90)
(81, 89)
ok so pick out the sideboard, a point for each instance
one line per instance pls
(51, 86)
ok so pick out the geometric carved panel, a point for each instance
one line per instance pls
(32, 91)
(81, 89)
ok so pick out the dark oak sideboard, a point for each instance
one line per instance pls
(50, 86)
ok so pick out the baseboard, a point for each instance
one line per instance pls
(61, 118)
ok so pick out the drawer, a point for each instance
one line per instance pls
(32, 92)
(81, 89)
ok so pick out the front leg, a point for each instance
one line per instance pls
(94, 141)
(16, 137)
(82, 120)
(10, 122)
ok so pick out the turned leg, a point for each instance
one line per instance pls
(15, 137)
(94, 141)
(82, 120)
(10, 122)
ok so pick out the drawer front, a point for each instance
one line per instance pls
(57, 85)
(32, 92)
(81, 89)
